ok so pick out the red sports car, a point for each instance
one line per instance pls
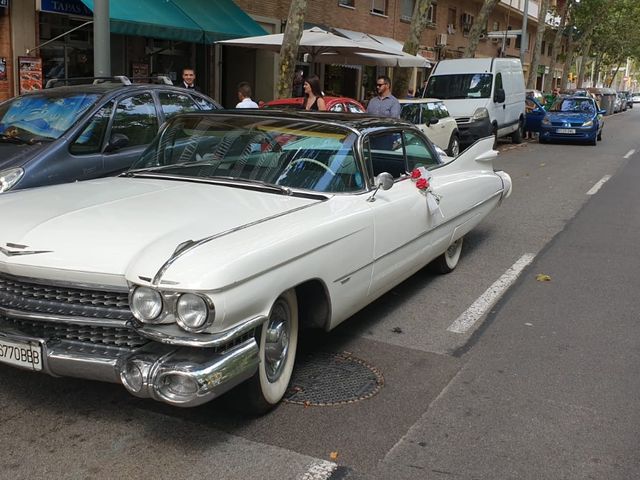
(334, 104)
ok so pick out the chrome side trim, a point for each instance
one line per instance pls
(63, 319)
(202, 339)
(196, 243)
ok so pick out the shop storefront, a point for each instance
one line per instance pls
(147, 37)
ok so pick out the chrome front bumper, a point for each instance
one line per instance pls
(182, 376)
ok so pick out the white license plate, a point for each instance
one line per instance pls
(21, 354)
(566, 130)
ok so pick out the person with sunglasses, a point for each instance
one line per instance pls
(385, 104)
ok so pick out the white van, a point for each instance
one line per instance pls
(484, 95)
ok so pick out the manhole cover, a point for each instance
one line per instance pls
(324, 379)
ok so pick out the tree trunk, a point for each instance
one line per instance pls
(289, 48)
(533, 72)
(571, 48)
(614, 74)
(556, 46)
(400, 84)
(585, 56)
(479, 26)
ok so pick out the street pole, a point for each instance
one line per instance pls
(101, 39)
(524, 39)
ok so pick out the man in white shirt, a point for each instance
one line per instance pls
(244, 95)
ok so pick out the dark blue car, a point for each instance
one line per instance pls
(79, 132)
(574, 118)
(535, 112)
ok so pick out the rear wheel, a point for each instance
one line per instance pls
(278, 340)
(516, 137)
(454, 145)
(448, 261)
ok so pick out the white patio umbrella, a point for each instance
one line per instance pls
(314, 41)
(400, 59)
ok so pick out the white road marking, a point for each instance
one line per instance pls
(629, 153)
(598, 184)
(491, 295)
(319, 470)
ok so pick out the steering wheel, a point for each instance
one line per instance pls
(310, 160)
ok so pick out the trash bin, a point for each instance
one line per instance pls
(606, 97)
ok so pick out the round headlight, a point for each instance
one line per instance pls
(146, 304)
(192, 312)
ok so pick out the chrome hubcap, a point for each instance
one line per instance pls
(276, 345)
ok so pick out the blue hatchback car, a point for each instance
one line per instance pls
(574, 118)
(79, 132)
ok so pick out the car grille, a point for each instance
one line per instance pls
(565, 124)
(87, 334)
(19, 294)
(460, 120)
(88, 313)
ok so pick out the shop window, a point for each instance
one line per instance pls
(136, 118)
(92, 137)
(175, 103)
(379, 7)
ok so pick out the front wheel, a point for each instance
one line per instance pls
(454, 146)
(516, 137)
(278, 340)
(600, 135)
(448, 261)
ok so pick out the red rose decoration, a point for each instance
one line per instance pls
(415, 174)
(422, 184)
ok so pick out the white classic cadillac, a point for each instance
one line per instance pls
(191, 273)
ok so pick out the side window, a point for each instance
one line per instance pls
(91, 138)
(204, 104)
(136, 118)
(386, 154)
(428, 112)
(353, 108)
(498, 81)
(175, 103)
(442, 110)
(338, 107)
(418, 152)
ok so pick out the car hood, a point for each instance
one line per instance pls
(569, 117)
(16, 155)
(101, 226)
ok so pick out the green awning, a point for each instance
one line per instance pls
(186, 20)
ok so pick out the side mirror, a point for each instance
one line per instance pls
(602, 112)
(116, 142)
(499, 96)
(433, 121)
(384, 181)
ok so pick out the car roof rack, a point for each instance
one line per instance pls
(116, 79)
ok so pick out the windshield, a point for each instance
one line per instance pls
(43, 116)
(269, 151)
(467, 85)
(573, 105)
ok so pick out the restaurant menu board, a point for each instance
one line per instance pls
(30, 69)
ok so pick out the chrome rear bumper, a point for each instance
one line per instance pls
(182, 376)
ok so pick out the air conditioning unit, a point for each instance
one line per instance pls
(441, 39)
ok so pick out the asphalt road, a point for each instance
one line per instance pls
(542, 386)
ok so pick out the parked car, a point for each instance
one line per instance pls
(194, 271)
(573, 118)
(636, 98)
(535, 114)
(618, 105)
(79, 132)
(334, 104)
(432, 117)
(628, 98)
(484, 95)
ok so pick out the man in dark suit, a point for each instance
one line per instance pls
(189, 79)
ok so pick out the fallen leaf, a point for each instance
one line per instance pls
(396, 330)
(307, 403)
(541, 277)
(333, 456)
